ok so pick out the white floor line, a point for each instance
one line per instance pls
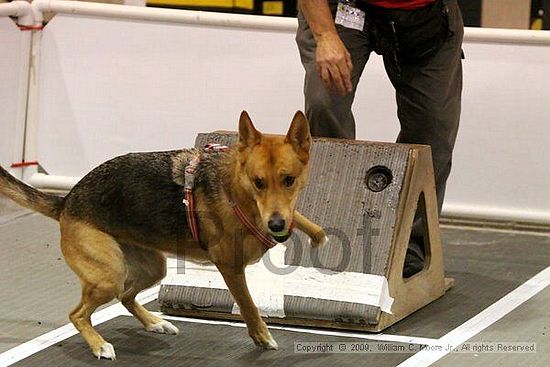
(346, 334)
(482, 320)
(35, 345)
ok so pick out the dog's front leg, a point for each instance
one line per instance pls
(316, 234)
(257, 329)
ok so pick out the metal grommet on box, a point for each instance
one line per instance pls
(378, 178)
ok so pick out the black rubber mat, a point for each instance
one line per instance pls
(200, 345)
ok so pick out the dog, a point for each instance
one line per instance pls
(120, 219)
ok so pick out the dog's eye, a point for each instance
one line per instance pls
(289, 181)
(259, 183)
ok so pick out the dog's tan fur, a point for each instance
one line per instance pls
(119, 265)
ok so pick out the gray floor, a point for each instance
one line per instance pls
(38, 290)
(35, 282)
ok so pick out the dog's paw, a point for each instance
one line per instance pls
(270, 344)
(265, 341)
(163, 327)
(321, 241)
(106, 351)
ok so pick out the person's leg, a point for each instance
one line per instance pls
(429, 101)
(328, 112)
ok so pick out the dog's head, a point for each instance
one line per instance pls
(273, 170)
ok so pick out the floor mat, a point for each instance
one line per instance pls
(202, 345)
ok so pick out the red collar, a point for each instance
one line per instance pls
(190, 203)
(265, 239)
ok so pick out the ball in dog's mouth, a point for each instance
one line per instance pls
(281, 236)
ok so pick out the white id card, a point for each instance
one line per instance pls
(350, 17)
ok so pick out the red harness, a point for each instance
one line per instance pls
(190, 202)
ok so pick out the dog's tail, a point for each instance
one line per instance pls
(27, 196)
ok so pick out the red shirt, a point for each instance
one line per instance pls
(400, 4)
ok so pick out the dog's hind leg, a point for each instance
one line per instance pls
(97, 260)
(146, 267)
(93, 297)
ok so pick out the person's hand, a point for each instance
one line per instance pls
(334, 63)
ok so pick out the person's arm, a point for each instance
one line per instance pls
(333, 59)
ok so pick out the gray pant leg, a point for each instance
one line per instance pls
(328, 112)
(429, 102)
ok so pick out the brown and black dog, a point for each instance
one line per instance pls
(120, 219)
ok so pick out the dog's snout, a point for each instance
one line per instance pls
(276, 223)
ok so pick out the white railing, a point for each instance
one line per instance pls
(20, 9)
(29, 13)
(513, 36)
(52, 182)
(162, 15)
(248, 21)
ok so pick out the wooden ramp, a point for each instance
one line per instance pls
(365, 195)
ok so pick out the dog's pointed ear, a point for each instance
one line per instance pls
(248, 135)
(299, 137)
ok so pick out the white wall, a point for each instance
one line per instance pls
(14, 46)
(112, 86)
(501, 164)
